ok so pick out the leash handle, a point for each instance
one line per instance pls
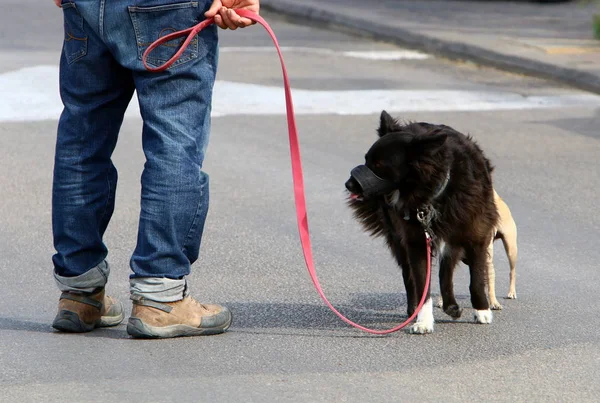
(298, 178)
(189, 32)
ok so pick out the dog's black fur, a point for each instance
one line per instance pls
(417, 158)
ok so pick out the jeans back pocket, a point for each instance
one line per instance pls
(151, 23)
(76, 41)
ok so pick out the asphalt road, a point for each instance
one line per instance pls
(285, 345)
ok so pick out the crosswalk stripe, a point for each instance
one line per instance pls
(404, 54)
(31, 94)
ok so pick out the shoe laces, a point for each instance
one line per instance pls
(198, 304)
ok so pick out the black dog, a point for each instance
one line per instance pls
(421, 176)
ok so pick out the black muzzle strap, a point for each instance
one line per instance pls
(371, 184)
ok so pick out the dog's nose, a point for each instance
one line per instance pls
(352, 186)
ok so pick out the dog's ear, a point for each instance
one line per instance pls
(387, 124)
(431, 141)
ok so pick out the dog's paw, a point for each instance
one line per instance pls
(421, 328)
(483, 316)
(495, 305)
(424, 323)
(454, 311)
(512, 295)
(439, 302)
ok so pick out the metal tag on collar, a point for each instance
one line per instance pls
(425, 217)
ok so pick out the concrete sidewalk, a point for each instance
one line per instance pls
(552, 41)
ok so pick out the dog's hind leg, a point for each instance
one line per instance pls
(439, 302)
(507, 231)
(477, 257)
(449, 259)
(491, 274)
(509, 240)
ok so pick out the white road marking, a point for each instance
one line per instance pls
(403, 54)
(31, 94)
(271, 49)
(388, 55)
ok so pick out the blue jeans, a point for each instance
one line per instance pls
(100, 68)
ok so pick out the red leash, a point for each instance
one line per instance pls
(301, 214)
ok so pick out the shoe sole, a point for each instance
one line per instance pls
(67, 321)
(109, 321)
(139, 330)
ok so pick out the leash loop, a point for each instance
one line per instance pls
(425, 216)
(189, 33)
(298, 178)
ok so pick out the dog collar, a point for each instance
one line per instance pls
(440, 189)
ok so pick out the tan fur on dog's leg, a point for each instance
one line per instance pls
(507, 229)
(494, 304)
(510, 245)
(439, 303)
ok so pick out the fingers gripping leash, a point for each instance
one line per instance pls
(298, 179)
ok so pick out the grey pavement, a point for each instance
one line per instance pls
(552, 41)
(284, 344)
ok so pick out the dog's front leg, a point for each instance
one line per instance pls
(450, 256)
(477, 257)
(409, 280)
(418, 268)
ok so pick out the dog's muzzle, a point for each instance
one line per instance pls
(371, 184)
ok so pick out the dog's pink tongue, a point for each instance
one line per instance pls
(354, 196)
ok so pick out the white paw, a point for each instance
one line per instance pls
(421, 328)
(512, 295)
(495, 305)
(424, 323)
(440, 302)
(483, 316)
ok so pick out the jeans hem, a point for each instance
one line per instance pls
(87, 282)
(159, 289)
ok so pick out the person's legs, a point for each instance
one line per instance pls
(175, 107)
(95, 91)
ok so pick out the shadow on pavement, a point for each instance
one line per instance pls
(117, 332)
(377, 310)
(373, 310)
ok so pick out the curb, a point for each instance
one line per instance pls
(450, 50)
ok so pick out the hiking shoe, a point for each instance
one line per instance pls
(188, 317)
(79, 313)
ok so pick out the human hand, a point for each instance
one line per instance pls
(57, 2)
(223, 11)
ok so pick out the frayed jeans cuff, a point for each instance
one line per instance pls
(159, 289)
(87, 282)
